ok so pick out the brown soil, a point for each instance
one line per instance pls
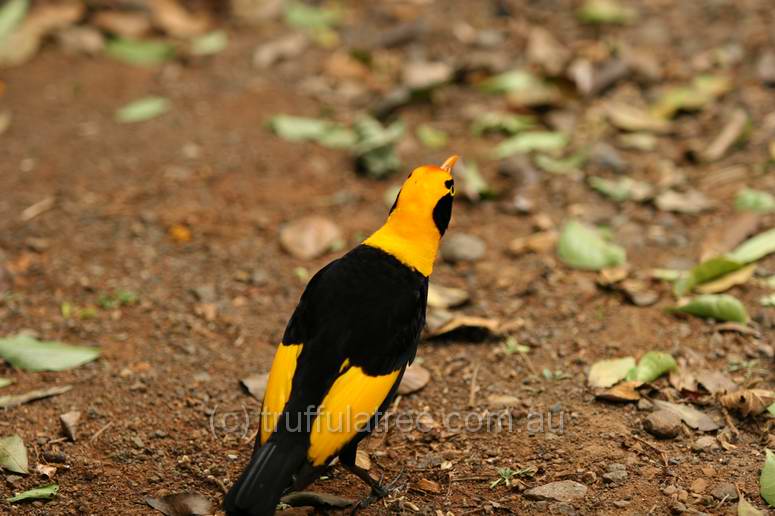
(155, 407)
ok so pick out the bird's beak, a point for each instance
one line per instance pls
(450, 163)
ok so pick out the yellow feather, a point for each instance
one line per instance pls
(347, 408)
(278, 387)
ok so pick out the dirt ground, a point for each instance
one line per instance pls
(162, 409)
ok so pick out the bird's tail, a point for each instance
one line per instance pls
(264, 481)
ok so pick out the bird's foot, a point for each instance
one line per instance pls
(378, 490)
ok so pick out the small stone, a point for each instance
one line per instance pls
(310, 237)
(678, 508)
(69, 423)
(662, 424)
(622, 503)
(725, 491)
(706, 442)
(560, 491)
(699, 485)
(138, 442)
(462, 247)
(644, 404)
(615, 473)
(669, 490)
(421, 75)
(205, 293)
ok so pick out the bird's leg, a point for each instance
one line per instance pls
(378, 490)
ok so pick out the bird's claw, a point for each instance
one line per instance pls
(378, 491)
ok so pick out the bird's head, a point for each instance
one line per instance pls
(419, 217)
(426, 195)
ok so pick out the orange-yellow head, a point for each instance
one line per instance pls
(419, 217)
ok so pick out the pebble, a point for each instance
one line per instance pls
(678, 508)
(662, 424)
(669, 490)
(462, 247)
(706, 442)
(615, 473)
(699, 485)
(560, 491)
(725, 490)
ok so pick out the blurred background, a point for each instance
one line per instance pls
(173, 172)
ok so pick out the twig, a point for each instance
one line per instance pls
(472, 392)
(529, 364)
(36, 209)
(99, 432)
(728, 421)
(653, 447)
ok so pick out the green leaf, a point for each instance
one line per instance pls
(472, 184)
(706, 271)
(745, 508)
(25, 352)
(606, 12)
(767, 300)
(553, 165)
(5, 382)
(754, 200)
(431, 137)
(771, 409)
(622, 189)
(210, 43)
(755, 248)
(651, 366)
(13, 454)
(496, 121)
(693, 97)
(508, 81)
(325, 132)
(582, 247)
(303, 16)
(375, 146)
(606, 373)
(46, 492)
(11, 15)
(142, 109)
(139, 52)
(767, 478)
(722, 307)
(542, 141)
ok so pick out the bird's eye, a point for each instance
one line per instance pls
(452, 190)
(451, 185)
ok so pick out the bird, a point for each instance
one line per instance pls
(355, 330)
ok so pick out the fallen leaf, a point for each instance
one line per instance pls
(460, 322)
(755, 248)
(139, 52)
(13, 455)
(561, 166)
(722, 307)
(630, 118)
(415, 378)
(638, 293)
(689, 415)
(143, 109)
(431, 137)
(46, 492)
(545, 51)
(13, 400)
(724, 283)
(318, 500)
(767, 478)
(210, 43)
(46, 471)
(625, 391)
(744, 508)
(374, 147)
(127, 24)
(5, 382)
(508, 81)
(309, 17)
(255, 384)
(582, 247)
(651, 366)
(748, 402)
(622, 189)
(756, 201)
(501, 401)
(175, 20)
(691, 201)
(182, 504)
(606, 373)
(703, 90)
(500, 122)
(25, 352)
(325, 132)
(423, 75)
(11, 15)
(429, 486)
(735, 229)
(446, 297)
(767, 300)
(606, 12)
(715, 381)
(309, 237)
(706, 271)
(732, 132)
(470, 182)
(541, 242)
(69, 421)
(765, 68)
(285, 47)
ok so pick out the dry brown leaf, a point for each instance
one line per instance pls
(625, 391)
(69, 422)
(630, 118)
(415, 378)
(255, 384)
(541, 242)
(692, 201)
(683, 380)
(689, 415)
(458, 322)
(318, 500)
(500, 401)
(732, 233)
(440, 296)
(133, 25)
(13, 400)
(183, 504)
(715, 381)
(174, 19)
(727, 281)
(748, 402)
(545, 51)
(429, 486)
(46, 470)
(310, 237)
(730, 133)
